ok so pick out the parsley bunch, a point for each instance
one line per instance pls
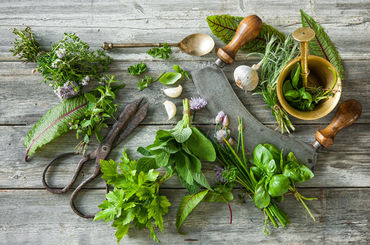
(137, 69)
(161, 53)
(68, 65)
(135, 197)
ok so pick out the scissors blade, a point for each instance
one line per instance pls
(133, 123)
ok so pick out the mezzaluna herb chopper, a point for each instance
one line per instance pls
(315, 73)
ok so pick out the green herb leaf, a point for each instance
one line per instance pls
(261, 196)
(144, 83)
(279, 185)
(55, 123)
(157, 208)
(201, 179)
(144, 151)
(170, 78)
(182, 134)
(181, 71)
(321, 45)
(137, 69)
(161, 53)
(146, 163)
(292, 95)
(182, 167)
(262, 157)
(193, 188)
(224, 27)
(297, 173)
(287, 87)
(200, 146)
(187, 205)
(295, 74)
(213, 196)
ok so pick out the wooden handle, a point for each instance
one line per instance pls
(348, 113)
(248, 29)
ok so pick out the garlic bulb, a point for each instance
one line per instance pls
(246, 77)
(170, 108)
(173, 92)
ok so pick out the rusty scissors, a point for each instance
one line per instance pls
(128, 120)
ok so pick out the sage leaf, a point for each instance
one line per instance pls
(193, 188)
(144, 151)
(182, 134)
(170, 78)
(55, 123)
(321, 45)
(187, 205)
(146, 163)
(162, 159)
(182, 167)
(201, 179)
(224, 27)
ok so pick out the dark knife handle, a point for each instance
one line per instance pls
(348, 113)
(248, 29)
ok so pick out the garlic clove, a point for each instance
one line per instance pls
(246, 77)
(173, 92)
(170, 108)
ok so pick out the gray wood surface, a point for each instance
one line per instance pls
(31, 215)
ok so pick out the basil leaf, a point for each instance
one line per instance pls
(297, 173)
(279, 198)
(291, 157)
(271, 168)
(261, 196)
(170, 78)
(294, 75)
(287, 86)
(282, 162)
(275, 153)
(262, 157)
(292, 95)
(257, 172)
(279, 185)
(307, 96)
(200, 146)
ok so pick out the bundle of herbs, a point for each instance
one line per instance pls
(268, 178)
(277, 55)
(180, 149)
(135, 197)
(67, 66)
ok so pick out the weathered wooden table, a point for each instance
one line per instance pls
(31, 215)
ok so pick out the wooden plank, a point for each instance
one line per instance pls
(38, 217)
(346, 164)
(25, 100)
(141, 21)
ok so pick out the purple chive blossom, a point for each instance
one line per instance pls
(220, 135)
(220, 116)
(219, 171)
(197, 104)
(85, 81)
(61, 53)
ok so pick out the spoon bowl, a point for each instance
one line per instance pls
(195, 44)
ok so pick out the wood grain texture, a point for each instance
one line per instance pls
(39, 217)
(31, 215)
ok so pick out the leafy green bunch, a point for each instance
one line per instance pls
(298, 97)
(179, 149)
(135, 197)
(68, 65)
(99, 108)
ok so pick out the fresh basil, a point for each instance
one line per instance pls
(170, 78)
(278, 185)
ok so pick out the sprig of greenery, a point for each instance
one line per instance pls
(26, 47)
(68, 65)
(99, 109)
(137, 69)
(135, 197)
(161, 53)
(148, 80)
(181, 71)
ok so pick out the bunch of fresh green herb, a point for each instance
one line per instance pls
(137, 69)
(179, 148)
(270, 177)
(161, 53)
(298, 97)
(165, 78)
(26, 47)
(68, 65)
(135, 197)
(278, 54)
(99, 109)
